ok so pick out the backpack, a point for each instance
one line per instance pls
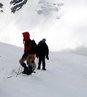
(32, 46)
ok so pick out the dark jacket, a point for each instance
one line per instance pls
(42, 50)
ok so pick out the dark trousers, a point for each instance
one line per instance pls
(41, 60)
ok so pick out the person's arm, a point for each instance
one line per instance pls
(47, 52)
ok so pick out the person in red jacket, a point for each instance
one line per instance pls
(29, 54)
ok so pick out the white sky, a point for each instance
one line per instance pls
(68, 32)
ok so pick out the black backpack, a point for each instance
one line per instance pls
(32, 46)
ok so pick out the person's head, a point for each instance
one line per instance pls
(43, 40)
(26, 36)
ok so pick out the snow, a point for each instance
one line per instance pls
(61, 22)
(65, 29)
(66, 75)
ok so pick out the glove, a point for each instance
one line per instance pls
(47, 57)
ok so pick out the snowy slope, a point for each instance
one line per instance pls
(66, 75)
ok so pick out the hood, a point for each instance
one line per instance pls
(26, 35)
(43, 40)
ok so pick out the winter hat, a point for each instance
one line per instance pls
(43, 40)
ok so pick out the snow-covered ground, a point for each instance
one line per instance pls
(64, 25)
(66, 75)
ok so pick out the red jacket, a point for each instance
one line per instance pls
(26, 37)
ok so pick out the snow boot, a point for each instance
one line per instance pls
(43, 68)
(29, 71)
(25, 68)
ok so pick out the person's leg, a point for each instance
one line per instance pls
(21, 61)
(28, 59)
(43, 64)
(30, 63)
(39, 63)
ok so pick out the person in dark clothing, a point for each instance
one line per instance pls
(29, 54)
(42, 53)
